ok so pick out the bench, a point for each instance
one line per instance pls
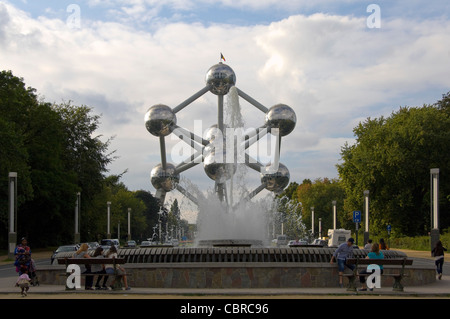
(398, 274)
(95, 261)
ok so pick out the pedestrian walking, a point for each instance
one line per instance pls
(23, 282)
(438, 253)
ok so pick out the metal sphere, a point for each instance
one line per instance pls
(221, 78)
(276, 182)
(216, 166)
(214, 132)
(282, 117)
(159, 120)
(165, 179)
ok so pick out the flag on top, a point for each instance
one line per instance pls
(222, 57)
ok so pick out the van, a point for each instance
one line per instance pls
(338, 236)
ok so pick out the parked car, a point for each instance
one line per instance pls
(64, 248)
(130, 244)
(297, 243)
(146, 243)
(319, 242)
(93, 245)
(107, 243)
(282, 240)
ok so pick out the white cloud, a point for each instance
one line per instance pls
(331, 69)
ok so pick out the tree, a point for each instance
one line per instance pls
(392, 158)
(320, 194)
(55, 153)
(150, 212)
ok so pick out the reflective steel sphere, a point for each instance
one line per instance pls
(213, 132)
(276, 182)
(166, 179)
(216, 166)
(221, 78)
(282, 117)
(159, 120)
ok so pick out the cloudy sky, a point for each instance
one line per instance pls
(335, 63)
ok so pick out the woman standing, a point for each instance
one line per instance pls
(438, 253)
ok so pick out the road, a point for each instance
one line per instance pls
(9, 270)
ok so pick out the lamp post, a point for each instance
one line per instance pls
(312, 221)
(334, 214)
(108, 226)
(159, 224)
(434, 203)
(320, 228)
(129, 225)
(12, 206)
(366, 216)
(77, 218)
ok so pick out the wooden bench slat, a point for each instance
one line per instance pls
(91, 261)
(369, 261)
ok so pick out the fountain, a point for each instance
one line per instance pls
(224, 150)
(232, 250)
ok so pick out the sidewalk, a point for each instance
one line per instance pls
(439, 289)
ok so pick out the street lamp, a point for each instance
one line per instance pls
(159, 223)
(334, 214)
(320, 228)
(366, 216)
(434, 206)
(312, 221)
(77, 218)
(129, 225)
(108, 228)
(12, 236)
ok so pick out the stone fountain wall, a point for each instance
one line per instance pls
(238, 267)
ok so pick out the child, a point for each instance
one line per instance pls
(23, 282)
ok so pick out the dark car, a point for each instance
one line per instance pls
(319, 242)
(107, 243)
(64, 248)
(130, 244)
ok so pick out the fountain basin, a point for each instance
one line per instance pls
(238, 267)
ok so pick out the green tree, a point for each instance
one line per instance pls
(44, 218)
(150, 213)
(55, 152)
(320, 194)
(392, 158)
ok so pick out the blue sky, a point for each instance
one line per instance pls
(233, 12)
(319, 57)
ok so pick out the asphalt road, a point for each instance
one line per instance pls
(9, 270)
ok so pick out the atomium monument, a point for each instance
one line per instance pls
(219, 265)
(161, 120)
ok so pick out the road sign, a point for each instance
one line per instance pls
(356, 216)
(389, 229)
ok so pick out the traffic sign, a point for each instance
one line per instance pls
(389, 229)
(356, 216)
